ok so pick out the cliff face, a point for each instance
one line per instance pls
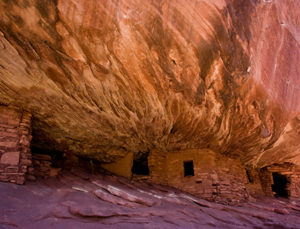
(102, 78)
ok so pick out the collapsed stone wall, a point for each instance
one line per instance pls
(215, 177)
(43, 166)
(15, 137)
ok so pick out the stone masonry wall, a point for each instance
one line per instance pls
(215, 177)
(253, 185)
(266, 181)
(292, 172)
(158, 167)
(295, 185)
(15, 137)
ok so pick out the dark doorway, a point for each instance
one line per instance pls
(188, 168)
(140, 164)
(250, 176)
(280, 185)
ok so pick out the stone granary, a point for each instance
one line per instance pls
(206, 174)
(200, 172)
(281, 180)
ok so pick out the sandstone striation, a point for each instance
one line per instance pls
(104, 78)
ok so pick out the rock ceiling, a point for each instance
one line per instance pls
(102, 78)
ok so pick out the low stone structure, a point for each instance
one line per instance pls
(200, 172)
(43, 166)
(212, 176)
(15, 137)
(281, 180)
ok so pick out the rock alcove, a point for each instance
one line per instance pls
(143, 90)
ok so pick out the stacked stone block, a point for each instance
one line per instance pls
(42, 165)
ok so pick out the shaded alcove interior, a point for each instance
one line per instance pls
(43, 144)
(42, 140)
(137, 166)
(280, 185)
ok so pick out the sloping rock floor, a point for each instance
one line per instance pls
(79, 200)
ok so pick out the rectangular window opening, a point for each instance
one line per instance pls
(140, 164)
(188, 168)
(281, 182)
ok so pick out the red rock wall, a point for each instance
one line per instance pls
(275, 30)
(215, 178)
(15, 137)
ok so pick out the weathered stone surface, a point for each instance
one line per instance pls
(281, 211)
(11, 158)
(103, 195)
(60, 206)
(94, 211)
(104, 78)
(128, 195)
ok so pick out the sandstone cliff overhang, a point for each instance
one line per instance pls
(104, 78)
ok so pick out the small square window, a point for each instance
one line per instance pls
(188, 168)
